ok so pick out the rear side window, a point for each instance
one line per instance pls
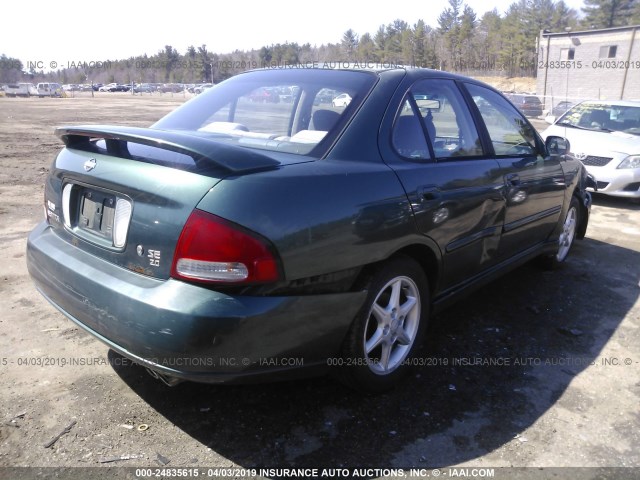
(510, 133)
(408, 135)
(434, 122)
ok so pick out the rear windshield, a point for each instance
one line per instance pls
(296, 111)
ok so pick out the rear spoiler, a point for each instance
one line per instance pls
(205, 152)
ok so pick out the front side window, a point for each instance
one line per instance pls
(434, 114)
(510, 133)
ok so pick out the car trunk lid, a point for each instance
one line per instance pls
(124, 194)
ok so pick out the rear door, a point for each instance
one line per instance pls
(534, 183)
(454, 187)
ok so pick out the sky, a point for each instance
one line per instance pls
(100, 30)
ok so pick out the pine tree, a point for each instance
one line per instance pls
(635, 19)
(380, 40)
(489, 40)
(366, 49)
(449, 22)
(563, 17)
(419, 44)
(608, 13)
(170, 57)
(394, 44)
(468, 24)
(515, 44)
(349, 44)
(207, 73)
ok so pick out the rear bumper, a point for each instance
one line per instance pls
(187, 331)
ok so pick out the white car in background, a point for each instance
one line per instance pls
(108, 88)
(605, 137)
(341, 100)
(198, 89)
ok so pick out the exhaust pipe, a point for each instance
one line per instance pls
(166, 379)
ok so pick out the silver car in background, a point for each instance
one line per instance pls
(605, 137)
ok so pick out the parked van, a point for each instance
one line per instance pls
(20, 90)
(47, 89)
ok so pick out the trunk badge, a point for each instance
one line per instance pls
(90, 164)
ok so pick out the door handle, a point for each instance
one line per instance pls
(428, 194)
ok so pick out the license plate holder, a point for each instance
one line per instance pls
(97, 212)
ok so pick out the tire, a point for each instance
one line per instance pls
(570, 227)
(388, 328)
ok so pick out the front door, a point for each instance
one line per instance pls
(534, 183)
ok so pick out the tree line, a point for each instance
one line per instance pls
(460, 42)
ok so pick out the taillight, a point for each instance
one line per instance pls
(211, 249)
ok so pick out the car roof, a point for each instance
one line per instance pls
(375, 68)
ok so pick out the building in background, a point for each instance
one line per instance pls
(592, 64)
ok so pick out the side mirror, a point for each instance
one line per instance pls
(557, 146)
(551, 119)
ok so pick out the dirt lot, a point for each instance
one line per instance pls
(566, 394)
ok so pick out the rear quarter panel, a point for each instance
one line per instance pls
(324, 216)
